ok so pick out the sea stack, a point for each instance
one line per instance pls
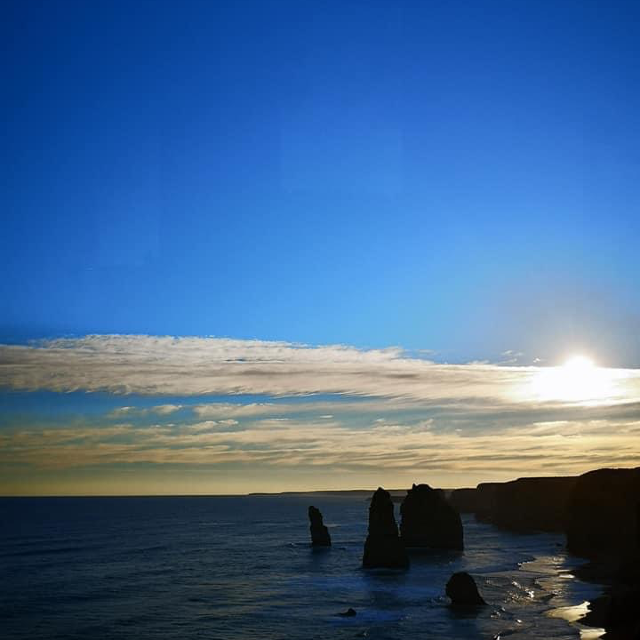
(319, 533)
(429, 521)
(462, 590)
(383, 547)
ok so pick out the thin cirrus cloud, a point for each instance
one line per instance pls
(199, 366)
(570, 446)
(160, 409)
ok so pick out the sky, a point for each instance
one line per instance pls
(285, 245)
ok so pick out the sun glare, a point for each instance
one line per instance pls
(577, 364)
(579, 379)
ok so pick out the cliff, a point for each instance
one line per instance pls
(604, 514)
(603, 525)
(526, 504)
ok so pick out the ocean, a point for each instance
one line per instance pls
(226, 568)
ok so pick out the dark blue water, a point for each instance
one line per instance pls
(231, 568)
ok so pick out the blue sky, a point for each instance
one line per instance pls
(433, 175)
(456, 179)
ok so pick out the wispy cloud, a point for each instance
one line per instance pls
(331, 407)
(558, 447)
(160, 409)
(201, 366)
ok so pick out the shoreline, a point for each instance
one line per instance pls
(566, 594)
(578, 615)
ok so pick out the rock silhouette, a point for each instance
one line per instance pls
(604, 514)
(527, 504)
(463, 591)
(383, 547)
(464, 500)
(429, 520)
(604, 525)
(486, 501)
(617, 612)
(319, 533)
(349, 613)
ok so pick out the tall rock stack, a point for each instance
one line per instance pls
(383, 547)
(319, 533)
(429, 521)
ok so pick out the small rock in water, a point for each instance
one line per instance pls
(462, 590)
(349, 613)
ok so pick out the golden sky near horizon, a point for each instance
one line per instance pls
(141, 414)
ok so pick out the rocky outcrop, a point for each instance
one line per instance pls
(604, 514)
(464, 500)
(584, 507)
(600, 514)
(462, 590)
(617, 612)
(429, 521)
(383, 547)
(604, 525)
(319, 533)
(526, 504)
(485, 506)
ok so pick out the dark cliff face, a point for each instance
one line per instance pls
(319, 533)
(383, 547)
(604, 514)
(604, 526)
(429, 521)
(464, 500)
(599, 511)
(484, 504)
(526, 504)
(600, 514)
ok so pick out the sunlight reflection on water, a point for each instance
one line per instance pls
(574, 614)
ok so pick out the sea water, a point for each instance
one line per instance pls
(225, 568)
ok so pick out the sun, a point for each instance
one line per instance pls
(578, 380)
(577, 364)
